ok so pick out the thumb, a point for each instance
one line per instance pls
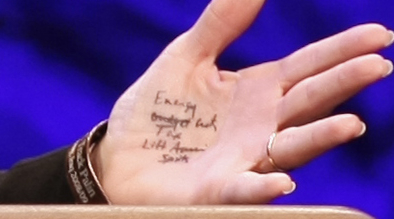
(255, 188)
(221, 23)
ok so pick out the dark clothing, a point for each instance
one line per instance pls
(39, 180)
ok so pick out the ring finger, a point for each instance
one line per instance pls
(296, 146)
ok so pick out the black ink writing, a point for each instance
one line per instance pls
(210, 124)
(174, 135)
(166, 158)
(159, 98)
(155, 145)
(192, 108)
(171, 122)
(189, 106)
(170, 128)
(179, 150)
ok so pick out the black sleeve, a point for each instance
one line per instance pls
(2, 176)
(40, 180)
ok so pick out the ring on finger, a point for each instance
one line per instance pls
(270, 146)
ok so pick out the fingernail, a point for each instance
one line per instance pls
(391, 39)
(293, 187)
(390, 66)
(363, 129)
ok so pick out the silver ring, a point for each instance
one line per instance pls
(270, 145)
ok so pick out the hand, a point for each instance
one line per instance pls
(189, 133)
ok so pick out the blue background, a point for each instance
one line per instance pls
(64, 63)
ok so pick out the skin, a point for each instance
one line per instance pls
(292, 96)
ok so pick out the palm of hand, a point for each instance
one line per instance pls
(189, 133)
(185, 116)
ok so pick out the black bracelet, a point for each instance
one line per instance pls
(82, 179)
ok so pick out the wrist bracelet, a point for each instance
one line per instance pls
(80, 174)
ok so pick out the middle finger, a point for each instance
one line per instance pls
(316, 96)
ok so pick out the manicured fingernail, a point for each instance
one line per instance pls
(293, 187)
(390, 66)
(391, 39)
(363, 129)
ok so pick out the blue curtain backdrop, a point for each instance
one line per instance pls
(64, 63)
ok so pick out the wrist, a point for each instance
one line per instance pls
(81, 167)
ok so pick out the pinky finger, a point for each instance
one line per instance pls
(255, 188)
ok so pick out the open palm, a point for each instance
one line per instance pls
(189, 133)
